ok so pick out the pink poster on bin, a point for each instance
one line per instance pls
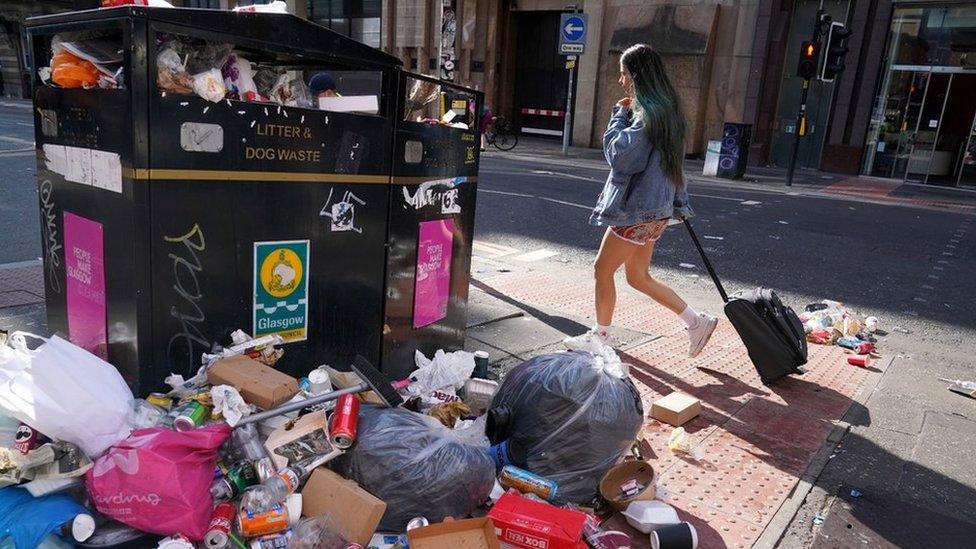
(85, 274)
(433, 288)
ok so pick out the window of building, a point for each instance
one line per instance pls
(210, 4)
(357, 19)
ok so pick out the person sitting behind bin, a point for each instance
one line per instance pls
(323, 85)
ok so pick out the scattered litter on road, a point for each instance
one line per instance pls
(709, 237)
(781, 222)
(774, 237)
(855, 493)
(750, 203)
(818, 520)
(900, 330)
(967, 388)
(687, 265)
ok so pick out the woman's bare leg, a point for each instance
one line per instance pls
(614, 251)
(641, 280)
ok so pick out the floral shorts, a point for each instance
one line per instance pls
(642, 233)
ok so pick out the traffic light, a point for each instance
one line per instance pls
(836, 50)
(807, 66)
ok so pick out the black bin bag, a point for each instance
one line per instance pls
(567, 419)
(417, 466)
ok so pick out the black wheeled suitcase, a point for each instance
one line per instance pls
(771, 331)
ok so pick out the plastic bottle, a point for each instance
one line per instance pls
(277, 488)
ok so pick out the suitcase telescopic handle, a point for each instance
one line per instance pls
(708, 264)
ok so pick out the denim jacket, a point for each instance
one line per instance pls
(631, 155)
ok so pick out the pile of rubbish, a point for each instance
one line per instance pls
(243, 455)
(829, 322)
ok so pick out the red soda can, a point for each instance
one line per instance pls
(219, 530)
(26, 438)
(344, 421)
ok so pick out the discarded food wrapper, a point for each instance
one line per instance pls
(209, 85)
(647, 516)
(301, 439)
(229, 403)
(478, 394)
(967, 388)
(679, 442)
(638, 473)
(449, 413)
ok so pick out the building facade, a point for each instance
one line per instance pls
(904, 108)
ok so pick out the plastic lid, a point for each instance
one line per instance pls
(82, 527)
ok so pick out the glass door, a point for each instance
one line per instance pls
(924, 157)
(897, 121)
(967, 168)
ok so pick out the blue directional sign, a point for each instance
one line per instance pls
(572, 33)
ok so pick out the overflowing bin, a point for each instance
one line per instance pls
(195, 184)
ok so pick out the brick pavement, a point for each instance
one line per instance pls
(754, 442)
(21, 284)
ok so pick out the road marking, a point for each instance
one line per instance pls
(569, 175)
(563, 202)
(739, 200)
(487, 249)
(16, 140)
(505, 193)
(31, 125)
(536, 255)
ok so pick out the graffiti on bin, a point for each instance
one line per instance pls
(343, 212)
(186, 269)
(439, 191)
(52, 248)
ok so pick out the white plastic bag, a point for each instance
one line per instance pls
(64, 392)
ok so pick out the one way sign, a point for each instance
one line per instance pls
(572, 33)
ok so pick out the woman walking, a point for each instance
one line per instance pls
(644, 145)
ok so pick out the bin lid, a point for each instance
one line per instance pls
(287, 32)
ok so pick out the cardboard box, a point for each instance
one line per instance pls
(476, 533)
(341, 380)
(355, 512)
(260, 385)
(521, 522)
(676, 409)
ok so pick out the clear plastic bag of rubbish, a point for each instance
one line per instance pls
(417, 466)
(317, 533)
(572, 419)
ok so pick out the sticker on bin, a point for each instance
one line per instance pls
(281, 289)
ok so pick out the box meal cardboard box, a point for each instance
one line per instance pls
(676, 409)
(260, 385)
(355, 512)
(301, 439)
(521, 522)
(476, 533)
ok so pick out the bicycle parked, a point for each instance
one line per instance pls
(502, 134)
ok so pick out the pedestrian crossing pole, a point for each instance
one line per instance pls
(806, 69)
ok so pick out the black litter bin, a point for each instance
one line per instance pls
(170, 219)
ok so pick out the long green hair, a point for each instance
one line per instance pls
(656, 104)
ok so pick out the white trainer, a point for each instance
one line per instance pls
(592, 341)
(700, 333)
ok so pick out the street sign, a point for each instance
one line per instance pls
(572, 33)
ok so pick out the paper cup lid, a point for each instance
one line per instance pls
(294, 505)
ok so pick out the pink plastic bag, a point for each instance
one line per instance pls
(158, 480)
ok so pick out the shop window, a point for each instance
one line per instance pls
(357, 19)
(944, 36)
